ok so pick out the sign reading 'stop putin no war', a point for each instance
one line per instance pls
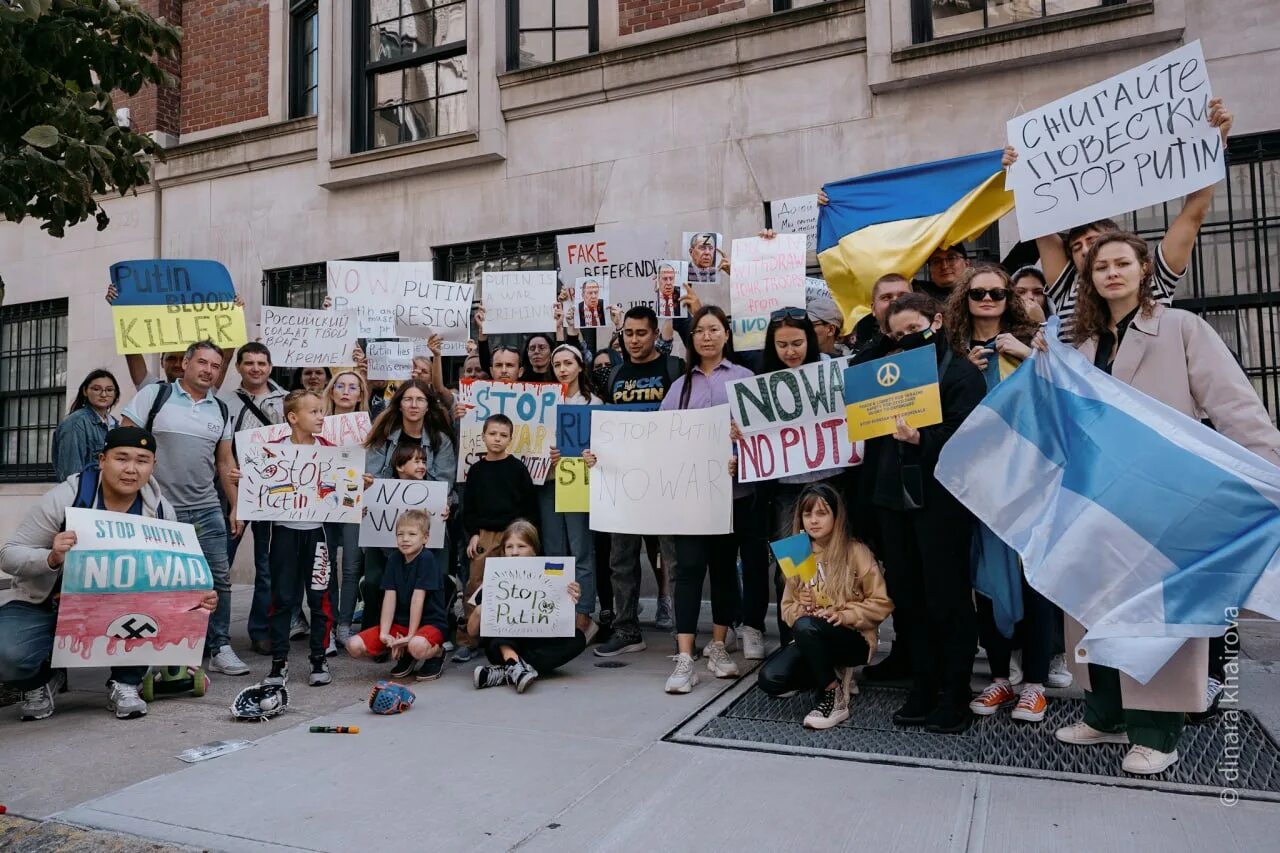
(166, 305)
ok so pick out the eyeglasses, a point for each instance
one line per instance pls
(997, 294)
(787, 314)
(939, 260)
(98, 389)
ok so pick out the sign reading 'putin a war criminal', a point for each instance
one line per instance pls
(166, 305)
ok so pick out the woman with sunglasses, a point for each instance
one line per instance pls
(83, 432)
(988, 324)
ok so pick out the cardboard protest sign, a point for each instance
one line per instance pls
(532, 409)
(627, 256)
(815, 288)
(349, 430)
(792, 421)
(402, 298)
(573, 424)
(166, 305)
(703, 252)
(131, 590)
(519, 301)
(309, 482)
(573, 486)
(662, 473)
(390, 359)
(269, 434)
(767, 275)
(668, 290)
(527, 597)
(795, 557)
(878, 392)
(587, 303)
(386, 499)
(1134, 140)
(797, 215)
(298, 337)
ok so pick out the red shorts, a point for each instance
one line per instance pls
(372, 637)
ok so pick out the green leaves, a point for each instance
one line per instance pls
(41, 136)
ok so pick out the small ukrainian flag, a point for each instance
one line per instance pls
(556, 569)
(892, 221)
(795, 557)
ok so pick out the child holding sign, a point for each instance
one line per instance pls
(518, 662)
(834, 616)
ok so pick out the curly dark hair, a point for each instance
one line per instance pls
(957, 319)
(1093, 316)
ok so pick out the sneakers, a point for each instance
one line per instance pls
(331, 650)
(1031, 705)
(752, 642)
(683, 678)
(1212, 700)
(1083, 734)
(431, 669)
(1145, 761)
(1015, 667)
(997, 695)
(719, 664)
(463, 654)
(404, 666)
(342, 633)
(489, 676)
(225, 661)
(730, 644)
(831, 709)
(663, 619)
(521, 675)
(37, 704)
(125, 701)
(299, 628)
(949, 718)
(1059, 675)
(279, 674)
(914, 712)
(320, 675)
(620, 644)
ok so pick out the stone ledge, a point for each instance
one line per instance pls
(242, 151)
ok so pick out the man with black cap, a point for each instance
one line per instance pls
(120, 481)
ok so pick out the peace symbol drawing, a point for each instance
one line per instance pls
(888, 374)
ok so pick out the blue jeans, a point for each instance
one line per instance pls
(211, 530)
(568, 534)
(26, 645)
(259, 627)
(347, 537)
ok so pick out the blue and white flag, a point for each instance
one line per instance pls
(1143, 524)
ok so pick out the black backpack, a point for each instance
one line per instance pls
(165, 391)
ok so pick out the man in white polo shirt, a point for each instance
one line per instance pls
(193, 432)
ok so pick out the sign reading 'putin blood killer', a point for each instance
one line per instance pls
(166, 305)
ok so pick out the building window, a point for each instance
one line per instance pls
(33, 387)
(784, 5)
(304, 58)
(411, 57)
(542, 31)
(933, 19)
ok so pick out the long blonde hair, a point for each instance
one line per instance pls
(523, 531)
(362, 405)
(839, 566)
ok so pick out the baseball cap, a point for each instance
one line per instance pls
(823, 309)
(130, 436)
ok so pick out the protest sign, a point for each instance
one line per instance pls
(527, 597)
(519, 301)
(816, 288)
(532, 409)
(402, 298)
(587, 303)
(349, 430)
(878, 392)
(269, 434)
(166, 305)
(792, 421)
(573, 486)
(308, 482)
(795, 557)
(667, 288)
(1134, 140)
(767, 275)
(131, 590)
(662, 473)
(628, 257)
(703, 252)
(797, 215)
(298, 337)
(386, 499)
(390, 359)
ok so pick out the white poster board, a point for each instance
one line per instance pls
(519, 301)
(627, 255)
(797, 215)
(298, 337)
(662, 473)
(527, 597)
(402, 298)
(349, 430)
(308, 482)
(390, 359)
(386, 499)
(1134, 140)
(767, 275)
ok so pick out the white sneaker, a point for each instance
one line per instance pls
(1083, 734)
(683, 678)
(1145, 761)
(730, 643)
(125, 701)
(225, 661)
(1059, 675)
(752, 643)
(331, 650)
(37, 704)
(1015, 667)
(719, 664)
(831, 709)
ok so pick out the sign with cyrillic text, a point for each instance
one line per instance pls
(299, 337)
(797, 215)
(386, 499)
(527, 597)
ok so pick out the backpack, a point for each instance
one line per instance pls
(673, 366)
(165, 391)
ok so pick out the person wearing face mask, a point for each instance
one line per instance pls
(869, 339)
(925, 533)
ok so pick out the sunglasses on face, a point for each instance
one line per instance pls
(787, 314)
(997, 294)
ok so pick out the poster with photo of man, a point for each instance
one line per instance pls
(705, 256)
(667, 290)
(590, 302)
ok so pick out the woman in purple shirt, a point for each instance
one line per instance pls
(701, 387)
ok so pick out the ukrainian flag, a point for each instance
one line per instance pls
(555, 569)
(892, 221)
(795, 557)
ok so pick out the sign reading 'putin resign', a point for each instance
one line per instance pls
(167, 305)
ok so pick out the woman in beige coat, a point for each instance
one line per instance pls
(1177, 358)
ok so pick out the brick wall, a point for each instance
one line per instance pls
(225, 56)
(636, 16)
(156, 108)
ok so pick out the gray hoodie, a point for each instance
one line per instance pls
(26, 555)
